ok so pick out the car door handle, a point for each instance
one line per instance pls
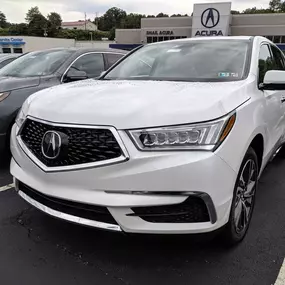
(282, 100)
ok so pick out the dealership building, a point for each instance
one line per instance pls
(213, 19)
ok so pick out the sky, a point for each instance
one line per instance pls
(73, 10)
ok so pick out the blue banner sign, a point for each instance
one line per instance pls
(11, 41)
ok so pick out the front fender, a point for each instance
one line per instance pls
(248, 125)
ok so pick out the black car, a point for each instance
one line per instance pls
(42, 69)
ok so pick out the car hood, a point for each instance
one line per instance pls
(137, 104)
(13, 83)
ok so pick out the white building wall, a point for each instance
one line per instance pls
(93, 44)
(89, 27)
(128, 36)
(36, 43)
(73, 27)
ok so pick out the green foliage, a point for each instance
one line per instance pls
(254, 10)
(160, 15)
(82, 35)
(111, 19)
(112, 34)
(38, 26)
(275, 6)
(15, 30)
(3, 20)
(179, 15)
(31, 13)
(132, 21)
(54, 24)
(234, 12)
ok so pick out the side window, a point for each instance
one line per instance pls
(5, 62)
(265, 62)
(92, 64)
(112, 58)
(278, 58)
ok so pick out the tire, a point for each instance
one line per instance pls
(243, 200)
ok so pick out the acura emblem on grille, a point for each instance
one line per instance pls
(51, 144)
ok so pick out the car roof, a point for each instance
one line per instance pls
(214, 38)
(8, 55)
(86, 50)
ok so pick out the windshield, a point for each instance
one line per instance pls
(36, 63)
(201, 60)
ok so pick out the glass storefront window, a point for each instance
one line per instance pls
(6, 50)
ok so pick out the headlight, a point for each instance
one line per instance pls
(20, 119)
(204, 136)
(4, 95)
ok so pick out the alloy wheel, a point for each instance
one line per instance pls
(244, 200)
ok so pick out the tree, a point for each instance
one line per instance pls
(31, 13)
(111, 19)
(18, 29)
(54, 24)
(179, 15)
(3, 20)
(112, 34)
(254, 10)
(275, 5)
(234, 12)
(132, 21)
(150, 16)
(38, 26)
(160, 15)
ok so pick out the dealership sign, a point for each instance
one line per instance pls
(159, 33)
(11, 41)
(211, 19)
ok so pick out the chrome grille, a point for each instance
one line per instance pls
(82, 145)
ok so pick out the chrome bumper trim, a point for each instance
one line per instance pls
(68, 217)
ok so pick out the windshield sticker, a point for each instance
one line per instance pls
(227, 74)
(174, 50)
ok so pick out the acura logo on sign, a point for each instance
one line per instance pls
(210, 18)
(51, 144)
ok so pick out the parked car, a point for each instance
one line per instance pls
(38, 70)
(7, 58)
(171, 140)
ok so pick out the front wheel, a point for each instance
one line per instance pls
(243, 200)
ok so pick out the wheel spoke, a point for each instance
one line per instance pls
(251, 171)
(245, 214)
(242, 183)
(238, 211)
(250, 190)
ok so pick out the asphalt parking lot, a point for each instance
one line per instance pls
(37, 249)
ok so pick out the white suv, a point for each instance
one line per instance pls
(171, 140)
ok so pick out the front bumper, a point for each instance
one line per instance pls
(148, 179)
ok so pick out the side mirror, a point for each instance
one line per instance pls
(273, 80)
(75, 75)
